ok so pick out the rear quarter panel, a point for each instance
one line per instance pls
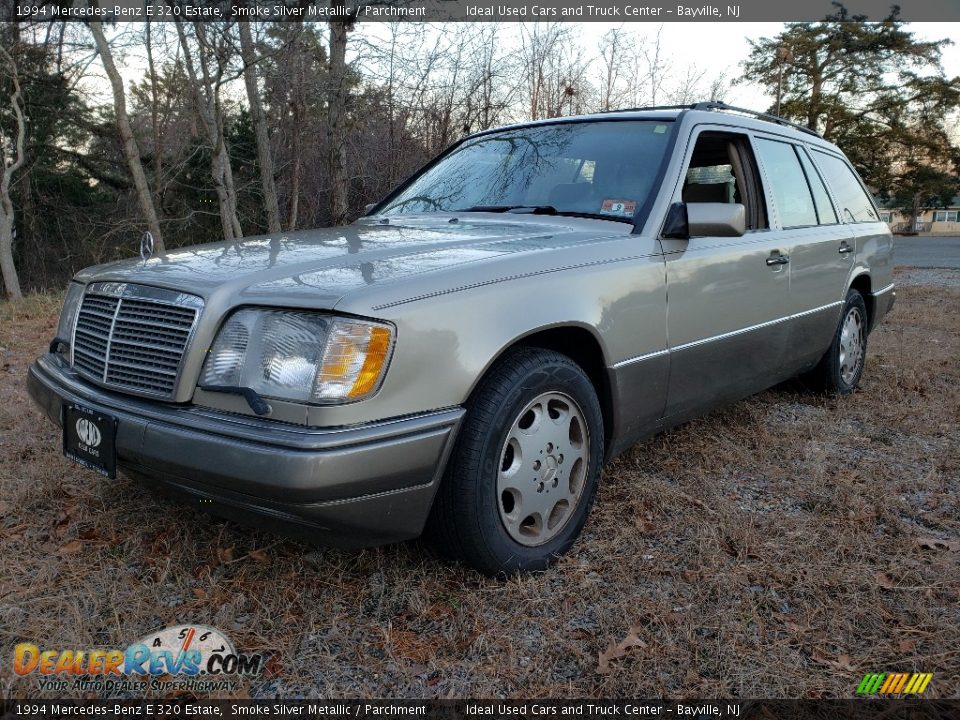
(874, 246)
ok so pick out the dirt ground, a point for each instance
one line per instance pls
(780, 548)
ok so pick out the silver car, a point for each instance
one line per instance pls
(465, 357)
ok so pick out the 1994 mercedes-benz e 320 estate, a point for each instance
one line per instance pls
(466, 356)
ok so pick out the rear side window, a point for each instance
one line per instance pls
(825, 212)
(788, 182)
(853, 201)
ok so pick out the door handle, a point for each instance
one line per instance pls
(845, 248)
(778, 260)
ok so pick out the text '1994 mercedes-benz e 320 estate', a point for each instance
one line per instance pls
(466, 356)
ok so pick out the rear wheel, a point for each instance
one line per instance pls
(840, 369)
(524, 471)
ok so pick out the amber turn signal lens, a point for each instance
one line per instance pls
(354, 360)
(378, 348)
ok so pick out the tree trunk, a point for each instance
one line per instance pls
(264, 156)
(12, 157)
(336, 118)
(219, 172)
(11, 281)
(155, 123)
(816, 92)
(205, 98)
(295, 173)
(130, 149)
(228, 179)
(914, 212)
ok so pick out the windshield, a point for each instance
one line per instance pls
(599, 169)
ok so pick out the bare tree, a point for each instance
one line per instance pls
(337, 112)
(719, 87)
(12, 157)
(488, 88)
(286, 81)
(696, 86)
(154, 116)
(131, 150)
(264, 154)
(206, 92)
(538, 42)
(491, 90)
(689, 88)
(656, 66)
(616, 48)
(555, 69)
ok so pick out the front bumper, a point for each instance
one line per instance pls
(350, 487)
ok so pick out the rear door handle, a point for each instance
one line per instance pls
(845, 248)
(778, 260)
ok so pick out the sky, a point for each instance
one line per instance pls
(722, 46)
(718, 47)
(712, 46)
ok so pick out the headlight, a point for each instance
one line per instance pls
(299, 356)
(68, 315)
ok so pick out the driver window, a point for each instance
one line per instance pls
(722, 170)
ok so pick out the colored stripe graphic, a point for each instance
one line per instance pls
(894, 683)
(870, 683)
(877, 683)
(914, 682)
(901, 681)
(891, 680)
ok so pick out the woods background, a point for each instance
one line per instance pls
(238, 129)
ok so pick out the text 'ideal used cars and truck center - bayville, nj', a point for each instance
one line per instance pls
(608, 12)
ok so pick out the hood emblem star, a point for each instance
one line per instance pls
(146, 245)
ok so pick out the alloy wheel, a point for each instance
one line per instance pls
(543, 468)
(852, 336)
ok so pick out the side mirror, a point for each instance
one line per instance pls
(686, 220)
(368, 207)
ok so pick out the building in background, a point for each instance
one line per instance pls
(930, 221)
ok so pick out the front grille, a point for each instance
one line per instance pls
(133, 337)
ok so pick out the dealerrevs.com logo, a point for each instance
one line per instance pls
(183, 657)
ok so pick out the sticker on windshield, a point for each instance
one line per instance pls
(620, 208)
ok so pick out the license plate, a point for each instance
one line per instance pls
(89, 438)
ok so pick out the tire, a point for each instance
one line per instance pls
(840, 369)
(525, 467)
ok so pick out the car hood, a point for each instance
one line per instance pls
(324, 265)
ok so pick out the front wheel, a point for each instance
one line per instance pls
(523, 474)
(840, 368)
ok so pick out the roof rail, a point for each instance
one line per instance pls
(716, 105)
(647, 107)
(688, 106)
(722, 106)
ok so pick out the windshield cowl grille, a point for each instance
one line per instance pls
(133, 338)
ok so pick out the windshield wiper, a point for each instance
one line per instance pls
(516, 209)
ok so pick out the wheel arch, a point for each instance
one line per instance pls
(582, 345)
(864, 285)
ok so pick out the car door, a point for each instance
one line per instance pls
(727, 297)
(871, 238)
(823, 248)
